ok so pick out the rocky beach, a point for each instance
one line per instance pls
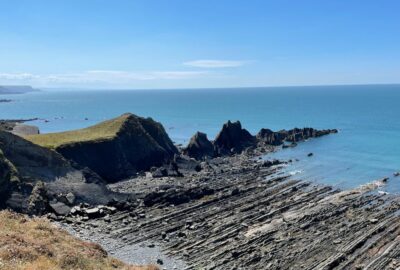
(213, 204)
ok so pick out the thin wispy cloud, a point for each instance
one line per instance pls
(110, 77)
(214, 63)
(17, 76)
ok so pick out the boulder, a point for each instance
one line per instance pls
(233, 139)
(167, 170)
(70, 197)
(8, 177)
(38, 203)
(60, 208)
(186, 164)
(115, 149)
(199, 147)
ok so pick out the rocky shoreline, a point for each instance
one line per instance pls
(256, 218)
(211, 205)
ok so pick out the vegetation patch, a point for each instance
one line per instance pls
(102, 131)
(36, 244)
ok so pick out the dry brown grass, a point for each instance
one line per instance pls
(35, 244)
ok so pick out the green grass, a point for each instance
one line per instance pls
(102, 131)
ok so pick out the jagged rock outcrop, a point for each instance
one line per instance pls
(293, 135)
(199, 147)
(115, 149)
(270, 137)
(24, 166)
(298, 134)
(233, 139)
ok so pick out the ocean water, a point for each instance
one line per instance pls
(366, 148)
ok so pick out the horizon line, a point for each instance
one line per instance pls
(205, 88)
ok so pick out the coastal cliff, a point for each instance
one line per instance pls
(114, 149)
(33, 177)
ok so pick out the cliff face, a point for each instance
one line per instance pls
(120, 148)
(24, 165)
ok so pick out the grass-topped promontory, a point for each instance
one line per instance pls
(102, 131)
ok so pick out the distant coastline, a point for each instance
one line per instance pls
(5, 100)
(16, 89)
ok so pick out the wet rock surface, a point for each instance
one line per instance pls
(255, 218)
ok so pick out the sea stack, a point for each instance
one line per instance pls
(233, 139)
(199, 147)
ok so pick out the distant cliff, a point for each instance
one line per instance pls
(16, 89)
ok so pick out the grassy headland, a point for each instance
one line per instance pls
(102, 131)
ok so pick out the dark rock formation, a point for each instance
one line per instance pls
(186, 164)
(60, 208)
(140, 144)
(199, 147)
(8, 176)
(38, 203)
(297, 134)
(176, 196)
(167, 170)
(233, 139)
(24, 166)
(270, 137)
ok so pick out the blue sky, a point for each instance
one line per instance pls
(196, 44)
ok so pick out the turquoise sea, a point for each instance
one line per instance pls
(368, 118)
